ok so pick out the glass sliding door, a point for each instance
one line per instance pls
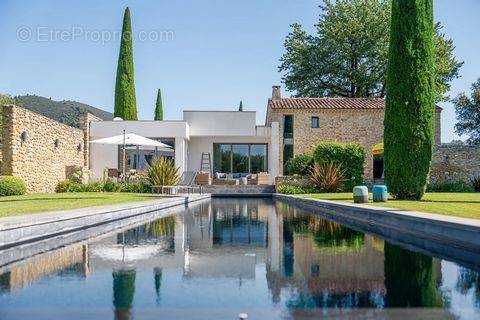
(222, 156)
(240, 158)
(258, 158)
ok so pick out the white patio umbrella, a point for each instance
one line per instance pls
(124, 253)
(132, 139)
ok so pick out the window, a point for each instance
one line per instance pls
(287, 154)
(288, 126)
(239, 157)
(222, 155)
(258, 158)
(315, 122)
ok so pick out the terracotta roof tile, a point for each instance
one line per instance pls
(327, 103)
(330, 103)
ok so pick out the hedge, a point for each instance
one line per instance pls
(12, 186)
(300, 164)
(292, 189)
(349, 156)
(108, 186)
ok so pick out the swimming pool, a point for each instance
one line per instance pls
(221, 257)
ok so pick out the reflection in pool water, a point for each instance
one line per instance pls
(227, 256)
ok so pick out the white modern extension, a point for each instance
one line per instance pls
(231, 139)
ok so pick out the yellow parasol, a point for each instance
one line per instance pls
(378, 149)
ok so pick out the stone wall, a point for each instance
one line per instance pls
(364, 127)
(299, 181)
(40, 150)
(455, 163)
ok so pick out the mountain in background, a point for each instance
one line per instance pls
(66, 111)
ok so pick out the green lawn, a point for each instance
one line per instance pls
(34, 203)
(465, 205)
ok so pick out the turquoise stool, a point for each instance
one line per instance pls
(360, 194)
(380, 193)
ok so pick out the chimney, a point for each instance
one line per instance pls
(276, 93)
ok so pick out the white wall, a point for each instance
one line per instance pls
(148, 129)
(221, 123)
(191, 139)
(102, 156)
(180, 154)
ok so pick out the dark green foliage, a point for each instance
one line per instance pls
(410, 109)
(159, 106)
(240, 107)
(110, 186)
(12, 186)
(123, 292)
(292, 189)
(409, 279)
(476, 183)
(326, 234)
(125, 101)
(467, 109)
(77, 187)
(157, 276)
(347, 54)
(107, 186)
(137, 187)
(450, 187)
(64, 186)
(300, 164)
(348, 156)
(4, 100)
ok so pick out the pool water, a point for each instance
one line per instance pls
(223, 257)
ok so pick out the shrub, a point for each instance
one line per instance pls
(110, 186)
(349, 157)
(64, 186)
(450, 187)
(12, 186)
(72, 186)
(300, 164)
(90, 187)
(327, 177)
(162, 172)
(137, 187)
(291, 189)
(80, 175)
(476, 183)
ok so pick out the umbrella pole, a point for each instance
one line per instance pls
(124, 156)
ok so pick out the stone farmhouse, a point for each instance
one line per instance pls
(44, 152)
(304, 122)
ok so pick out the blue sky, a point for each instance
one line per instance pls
(213, 54)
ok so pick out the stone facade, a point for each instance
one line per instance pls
(455, 163)
(299, 181)
(85, 121)
(40, 150)
(361, 126)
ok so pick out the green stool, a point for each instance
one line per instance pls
(360, 194)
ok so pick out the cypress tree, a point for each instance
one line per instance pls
(159, 106)
(410, 108)
(125, 102)
(240, 107)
